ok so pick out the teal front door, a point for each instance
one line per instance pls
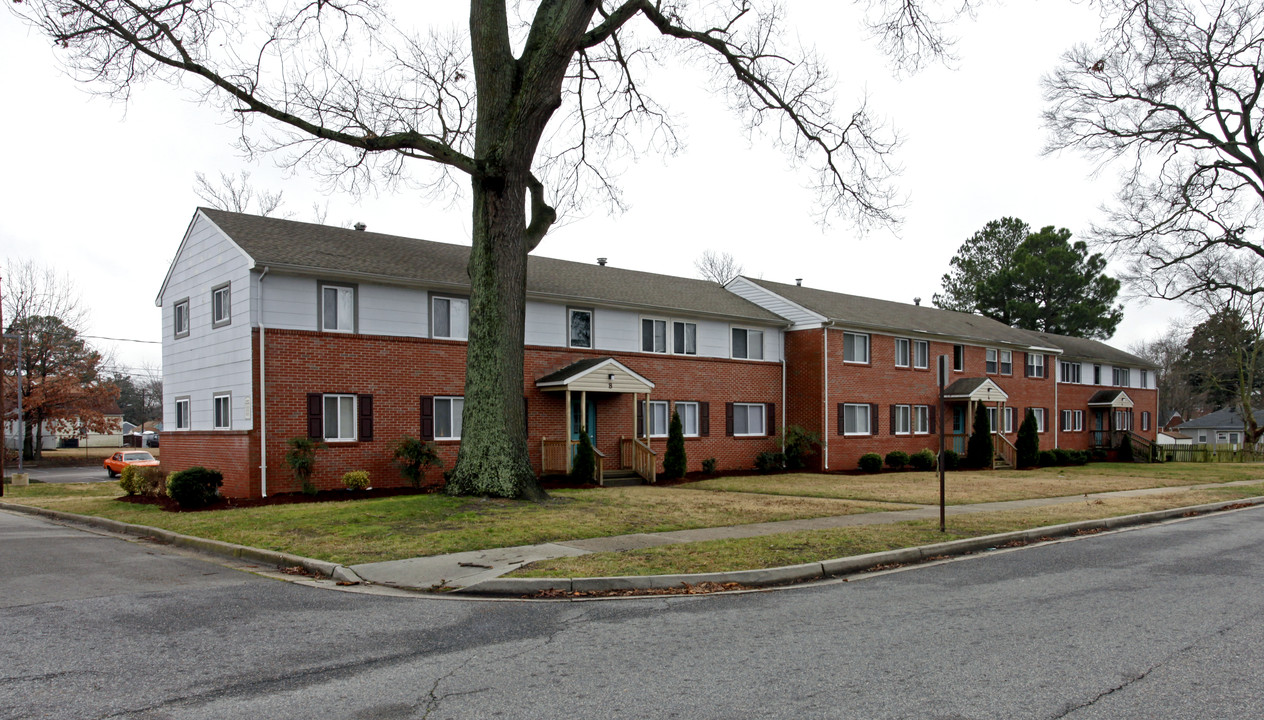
(577, 424)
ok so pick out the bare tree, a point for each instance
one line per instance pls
(533, 109)
(1172, 88)
(1167, 353)
(718, 267)
(237, 194)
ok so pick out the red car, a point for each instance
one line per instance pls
(119, 460)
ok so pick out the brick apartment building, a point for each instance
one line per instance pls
(274, 329)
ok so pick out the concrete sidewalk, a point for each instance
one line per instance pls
(467, 569)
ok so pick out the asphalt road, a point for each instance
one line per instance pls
(1156, 622)
(93, 473)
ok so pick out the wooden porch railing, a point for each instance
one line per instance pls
(1003, 451)
(554, 453)
(639, 457)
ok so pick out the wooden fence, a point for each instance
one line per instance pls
(1212, 453)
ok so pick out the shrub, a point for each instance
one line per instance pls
(675, 461)
(302, 461)
(584, 466)
(979, 448)
(870, 462)
(923, 459)
(1028, 445)
(799, 444)
(151, 481)
(413, 458)
(952, 459)
(897, 459)
(768, 461)
(1125, 449)
(1062, 456)
(708, 466)
(1097, 455)
(129, 480)
(356, 480)
(1046, 458)
(1079, 457)
(195, 487)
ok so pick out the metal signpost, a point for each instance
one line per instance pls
(943, 383)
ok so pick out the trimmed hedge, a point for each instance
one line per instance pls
(897, 459)
(923, 459)
(195, 487)
(870, 462)
(356, 480)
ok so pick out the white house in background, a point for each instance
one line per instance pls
(1222, 427)
(1173, 437)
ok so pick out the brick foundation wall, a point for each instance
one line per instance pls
(234, 453)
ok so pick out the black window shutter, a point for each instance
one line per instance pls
(315, 416)
(364, 408)
(1026, 365)
(841, 424)
(772, 419)
(728, 419)
(873, 412)
(892, 421)
(704, 419)
(640, 418)
(930, 413)
(427, 417)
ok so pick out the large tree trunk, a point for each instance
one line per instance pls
(493, 457)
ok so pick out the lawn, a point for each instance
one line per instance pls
(419, 525)
(811, 546)
(922, 488)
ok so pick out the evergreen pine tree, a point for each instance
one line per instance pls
(1028, 445)
(584, 467)
(979, 448)
(674, 462)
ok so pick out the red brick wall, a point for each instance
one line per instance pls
(1075, 397)
(804, 385)
(233, 453)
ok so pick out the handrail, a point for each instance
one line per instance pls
(639, 457)
(553, 458)
(1002, 447)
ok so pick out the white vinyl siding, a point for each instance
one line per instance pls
(856, 419)
(340, 418)
(449, 318)
(447, 417)
(855, 347)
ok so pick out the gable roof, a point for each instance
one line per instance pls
(1222, 418)
(1086, 349)
(975, 389)
(321, 249)
(887, 315)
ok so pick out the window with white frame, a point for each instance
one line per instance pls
(447, 417)
(991, 361)
(902, 352)
(340, 418)
(1123, 420)
(1071, 372)
(1145, 379)
(748, 344)
(580, 324)
(1072, 420)
(182, 413)
(856, 419)
(921, 419)
(921, 354)
(222, 406)
(653, 335)
(337, 308)
(221, 305)
(688, 412)
(855, 347)
(658, 418)
(1007, 420)
(959, 357)
(1119, 377)
(902, 419)
(1145, 419)
(1040, 419)
(1007, 362)
(685, 338)
(180, 318)
(993, 421)
(748, 419)
(450, 318)
(1035, 365)
(1097, 374)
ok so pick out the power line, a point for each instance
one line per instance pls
(98, 337)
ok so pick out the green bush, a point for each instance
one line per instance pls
(1125, 449)
(979, 448)
(129, 480)
(870, 462)
(923, 459)
(356, 480)
(769, 462)
(584, 466)
(302, 461)
(1046, 458)
(1028, 445)
(1079, 457)
(708, 466)
(1062, 456)
(674, 461)
(800, 444)
(897, 459)
(1097, 455)
(195, 487)
(952, 459)
(413, 458)
(147, 480)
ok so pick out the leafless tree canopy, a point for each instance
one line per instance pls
(718, 267)
(32, 290)
(1173, 88)
(237, 194)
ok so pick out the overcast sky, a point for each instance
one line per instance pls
(104, 191)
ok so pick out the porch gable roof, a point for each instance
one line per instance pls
(1110, 398)
(975, 389)
(604, 374)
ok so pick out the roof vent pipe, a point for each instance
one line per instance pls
(360, 226)
(798, 281)
(917, 301)
(601, 262)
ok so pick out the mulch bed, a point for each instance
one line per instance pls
(170, 505)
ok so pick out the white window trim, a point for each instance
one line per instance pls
(1035, 361)
(868, 348)
(992, 362)
(640, 335)
(570, 341)
(908, 352)
(450, 299)
(227, 397)
(666, 418)
(684, 425)
(868, 416)
(1078, 372)
(924, 364)
(763, 419)
(452, 422)
(1007, 420)
(955, 366)
(907, 420)
(924, 412)
(1002, 362)
(320, 306)
(355, 419)
(748, 330)
(188, 419)
(994, 419)
(176, 315)
(1040, 419)
(671, 340)
(227, 305)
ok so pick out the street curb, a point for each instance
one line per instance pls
(217, 547)
(838, 566)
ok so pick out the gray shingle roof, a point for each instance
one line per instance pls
(289, 244)
(573, 369)
(1222, 418)
(1105, 397)
(863, 312)
(1083, 348)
